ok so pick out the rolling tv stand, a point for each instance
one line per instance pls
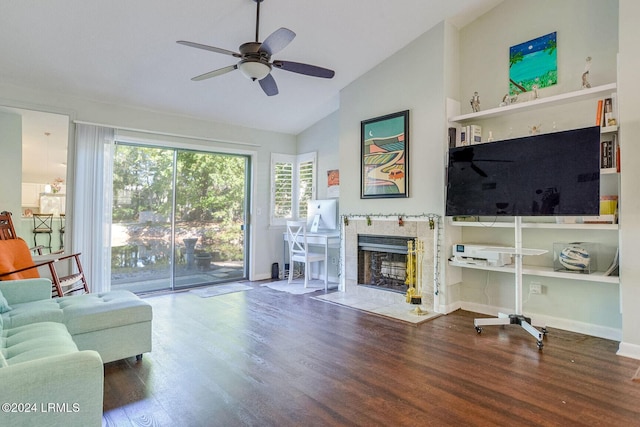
(517, 318)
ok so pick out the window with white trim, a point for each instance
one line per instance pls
(293, 183)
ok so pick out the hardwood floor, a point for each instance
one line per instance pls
(268, 358)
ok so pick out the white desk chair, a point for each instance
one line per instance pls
(297, 237)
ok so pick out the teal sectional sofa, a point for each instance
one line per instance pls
(52, 351)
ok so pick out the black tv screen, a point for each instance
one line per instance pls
(553, 174)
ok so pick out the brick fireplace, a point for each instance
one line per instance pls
(387, 231)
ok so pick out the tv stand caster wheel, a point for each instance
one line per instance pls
(478, 329)
(544, 331)
(540, 345)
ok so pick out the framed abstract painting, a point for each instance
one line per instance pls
(385, 156)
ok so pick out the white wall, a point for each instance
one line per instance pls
(629, 102)
(262, 143)
(412, 79)
(11, 164)
(584, 28)
(323, 138)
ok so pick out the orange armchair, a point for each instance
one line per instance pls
(16, 263)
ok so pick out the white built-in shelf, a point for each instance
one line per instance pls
(609, 129)
(530, 270)
(513, 251)
(547, 225)
(538, 103)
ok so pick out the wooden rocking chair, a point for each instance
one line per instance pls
(17, 263)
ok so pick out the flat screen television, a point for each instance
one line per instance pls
(327, 212)
(552, 174)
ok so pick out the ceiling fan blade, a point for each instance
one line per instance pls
(277, 41)
(269, 86)
(214, 73)
(209, 48)
(306, 69)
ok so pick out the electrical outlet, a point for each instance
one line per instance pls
(334, 261)
(535, 288)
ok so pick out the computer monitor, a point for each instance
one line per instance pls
(322, 215)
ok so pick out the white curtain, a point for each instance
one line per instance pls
(92, 203)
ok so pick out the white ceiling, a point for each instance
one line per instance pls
(125, 52)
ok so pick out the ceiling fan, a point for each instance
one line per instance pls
(255, 59)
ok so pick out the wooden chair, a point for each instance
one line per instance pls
(8, 231)
(62, 225)
(16, 263)
(298, 250)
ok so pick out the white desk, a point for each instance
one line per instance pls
(329, 239)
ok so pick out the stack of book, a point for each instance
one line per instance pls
(463, 136)
(606, 117)
(606, 113)
(608, 153)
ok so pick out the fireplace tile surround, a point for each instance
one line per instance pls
(386, 226)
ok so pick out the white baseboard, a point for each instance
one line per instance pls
(257, 277)
(629, 350)
(554, 322)
(449, 308)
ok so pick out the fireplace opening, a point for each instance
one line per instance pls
(382, 262)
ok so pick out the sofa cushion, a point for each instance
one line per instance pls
(32, 312)
(35, 341)
(4, 304)
(99, 311)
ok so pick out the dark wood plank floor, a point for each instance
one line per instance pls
(266, 358)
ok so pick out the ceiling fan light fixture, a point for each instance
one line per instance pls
(254, 70)
(255, 58)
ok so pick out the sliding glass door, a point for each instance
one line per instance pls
(209, 218)
(178, 218)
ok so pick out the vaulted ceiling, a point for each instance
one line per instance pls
(125, 52)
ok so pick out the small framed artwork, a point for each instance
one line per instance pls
(385, 156)
(333, 183)
(533, 64)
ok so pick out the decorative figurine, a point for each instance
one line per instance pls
(585, 75)
(534, 92)
(509, 99)
(505, 101)
(475, 102)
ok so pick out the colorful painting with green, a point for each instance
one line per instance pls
(533, 65)
(385, 151)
